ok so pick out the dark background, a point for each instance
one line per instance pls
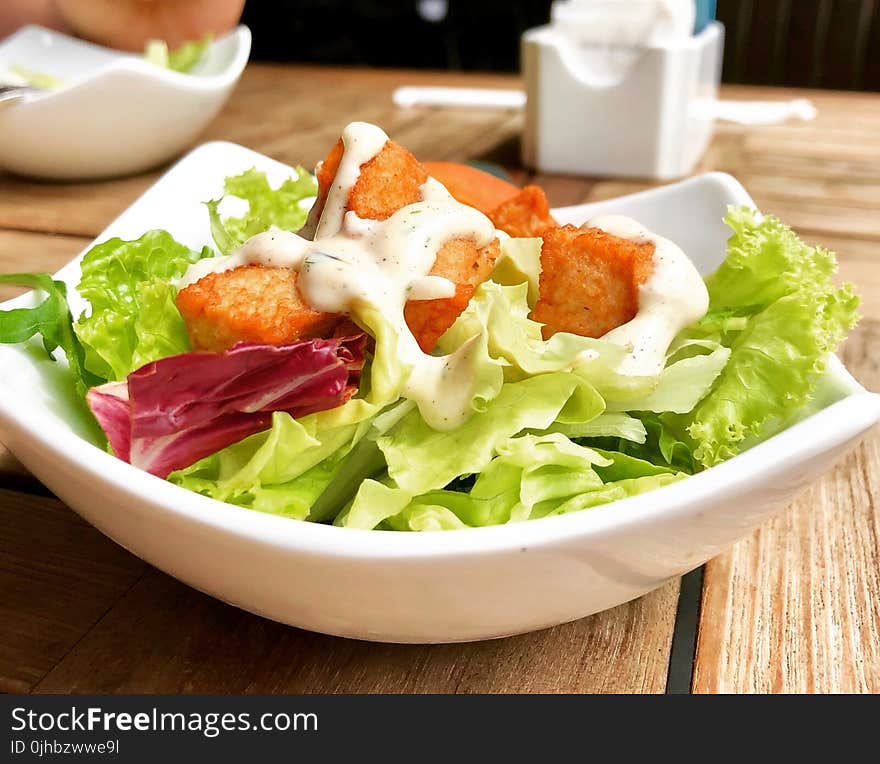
(803, 43)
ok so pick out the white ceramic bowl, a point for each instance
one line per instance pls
(430, 587)
(116, 113)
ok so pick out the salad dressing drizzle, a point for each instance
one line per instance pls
(355, 264)
(673, 297)
(380, 264)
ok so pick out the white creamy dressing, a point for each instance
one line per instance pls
(380, 263)
(673, 297)
(385, 263)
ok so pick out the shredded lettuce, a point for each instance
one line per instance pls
(285, 469)
(420, 458)
(283, 207)
(133, 318)
(520, 263)
(659, 445)
(502, 314)
(20, 75)
(181, 59)
(530, 476)
(607, 425)
(552, 425)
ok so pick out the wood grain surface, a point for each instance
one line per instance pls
(793, 608)
(165, 637)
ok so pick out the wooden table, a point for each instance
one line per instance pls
(795, 607)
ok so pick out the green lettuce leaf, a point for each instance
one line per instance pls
(663, 445)
(420, 458)
(133, 318)
(684, 381)
(520, 263)
(51, 319)
(607, 425)
(502, 314)
(181, 59)
(26, 76)
(530, 476)
(774, 304)
(286, 469)
(267, 207)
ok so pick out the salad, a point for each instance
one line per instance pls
(400, 345)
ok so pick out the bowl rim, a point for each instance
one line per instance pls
(133, 63)
(831, 427)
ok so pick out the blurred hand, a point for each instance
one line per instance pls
(17, 13)
(128, 24)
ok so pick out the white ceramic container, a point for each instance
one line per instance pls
(408, 587)
(652, 118)
(115, 113)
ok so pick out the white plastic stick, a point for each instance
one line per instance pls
(468, 97)
(764, 112)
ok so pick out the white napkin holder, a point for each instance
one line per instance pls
(644, 111)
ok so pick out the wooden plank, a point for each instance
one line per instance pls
(58, 576)
(859, 193)
(832, 220)
(24, 252)
(308, 108)
(58, 207)
(165, 637)
(794, 608)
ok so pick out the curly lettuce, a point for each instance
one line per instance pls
(133, 318)
(774, 304)
(284, 207)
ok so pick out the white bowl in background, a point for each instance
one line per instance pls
(115, 112)
(419, 587)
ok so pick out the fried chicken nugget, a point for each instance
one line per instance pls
(589, 280)
(392, 180)
(251, 303)
(467, 266)
(525, 215)
(389, 181)
(244, 304)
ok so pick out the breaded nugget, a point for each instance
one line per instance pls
(428, 319)
(461, 261)
(589, 280)
(389, 181)
(264, 306)
(525, 215)
(467, 266)
(386, 183)
(251, 303)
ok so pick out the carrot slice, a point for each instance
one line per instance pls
(472, 186)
